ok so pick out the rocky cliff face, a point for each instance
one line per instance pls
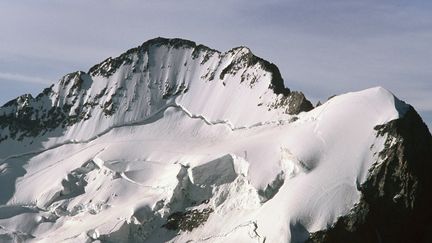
(396, 197)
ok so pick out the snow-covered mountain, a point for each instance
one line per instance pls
(176, 142)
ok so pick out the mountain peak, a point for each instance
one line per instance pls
(159, 73)
(112, 63)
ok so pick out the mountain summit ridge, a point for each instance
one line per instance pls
(79, 95)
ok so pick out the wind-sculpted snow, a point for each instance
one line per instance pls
(174, 142)
(130, 88)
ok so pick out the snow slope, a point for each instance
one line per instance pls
(235, 87)
(161, 152)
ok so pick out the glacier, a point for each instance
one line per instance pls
(176, 142)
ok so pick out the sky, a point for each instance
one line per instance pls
(322, 48)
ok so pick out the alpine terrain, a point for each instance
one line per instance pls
(177, 142)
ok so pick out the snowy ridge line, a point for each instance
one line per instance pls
(143, 122)
(224, 122)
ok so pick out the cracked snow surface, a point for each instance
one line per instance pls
(185, 145)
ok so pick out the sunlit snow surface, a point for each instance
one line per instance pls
(119, 179)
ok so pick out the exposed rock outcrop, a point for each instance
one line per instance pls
(396, 199)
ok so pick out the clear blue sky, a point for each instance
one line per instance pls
(321, 47)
